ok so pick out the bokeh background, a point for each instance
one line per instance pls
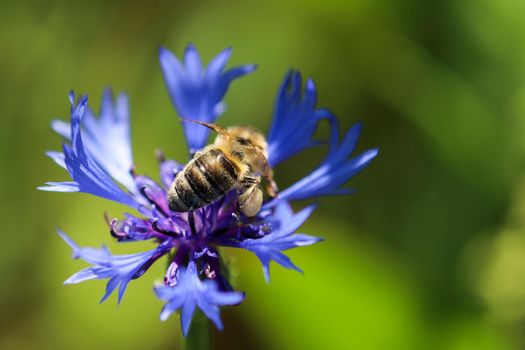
(428, 254)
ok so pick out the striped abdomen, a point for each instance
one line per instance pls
(202, 181)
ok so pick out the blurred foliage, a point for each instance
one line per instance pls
(428, 254)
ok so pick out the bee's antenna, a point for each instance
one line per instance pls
(220, 130)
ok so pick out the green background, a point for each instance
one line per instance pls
(428, 254)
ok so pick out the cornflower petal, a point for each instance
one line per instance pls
(87, 175)
(168, 170)
(107, 138)
(334, 172)
(132, 229)
(190, 292)
(60, 187)
(153, 193)
(282, 237)
(196, 93)
(57, 158)
(119, 269)
(295, 119)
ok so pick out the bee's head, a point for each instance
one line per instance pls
(243, 142)
(248, 145)
(246, 137)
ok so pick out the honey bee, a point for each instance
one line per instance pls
(238, 159)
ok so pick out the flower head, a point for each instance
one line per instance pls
(97, 155)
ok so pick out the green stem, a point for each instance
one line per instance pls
(199, 336)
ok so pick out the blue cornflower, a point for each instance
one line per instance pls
(98, 157)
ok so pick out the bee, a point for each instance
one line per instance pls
(237, 159)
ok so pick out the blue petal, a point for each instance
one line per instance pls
(168, 170)
(286, 222)
(62, 128)
(190, 292)
(119, 269)
(334, 172)
(86, 173)
(132, 229)
(295, 119)
(269, 247)
(197, 93)
(57, 158)
(107, 138)
(186, 314)
(154, 193)
(60, 187)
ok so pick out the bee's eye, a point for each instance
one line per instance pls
(244, 141)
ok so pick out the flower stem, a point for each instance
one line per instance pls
(199, 335)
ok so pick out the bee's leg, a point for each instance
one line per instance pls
(250, 200)
(271, 187)
(260, 166)
(267, 174)
(248, 181)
